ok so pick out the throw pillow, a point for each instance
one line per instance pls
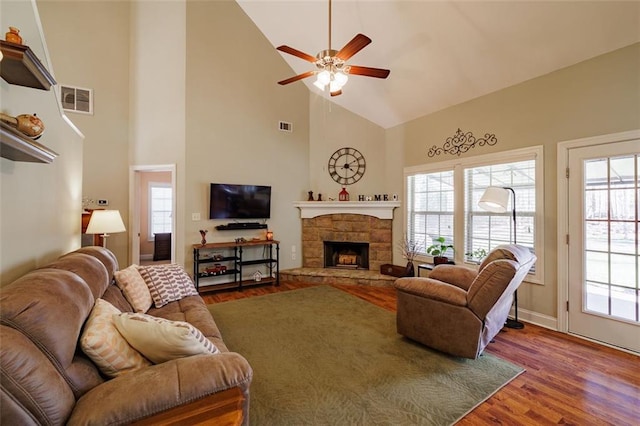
(167, 283)
(161, 340)
(134, 288)
(105, 346)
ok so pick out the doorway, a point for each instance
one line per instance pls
(602, 290)
(152, 214)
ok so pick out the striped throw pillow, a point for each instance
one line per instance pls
(134, 288)
(105, 346)
(167, 283)
(160, 339)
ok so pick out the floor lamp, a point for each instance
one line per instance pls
(496, 199)
(105, 222)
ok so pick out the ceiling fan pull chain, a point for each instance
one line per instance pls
(329, 25)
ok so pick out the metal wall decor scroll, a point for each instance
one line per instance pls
(462, 142)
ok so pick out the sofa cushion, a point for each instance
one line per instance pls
(106, 347)
(134, 288)
(167, 283)
(162, 340)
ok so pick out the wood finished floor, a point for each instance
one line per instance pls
(568, 380)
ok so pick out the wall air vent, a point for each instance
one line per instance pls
(76, 99)
(283, 126)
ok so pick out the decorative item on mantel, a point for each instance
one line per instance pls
(13, 36)
(343, 195)
(462, 142)
(310, 198)
(203, 234)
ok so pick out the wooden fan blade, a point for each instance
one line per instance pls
(296, 78)
(296, 52)
(369, 72)
(336, 93)
(354, 46)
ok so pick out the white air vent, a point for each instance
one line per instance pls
(76, 99)
(285, 127)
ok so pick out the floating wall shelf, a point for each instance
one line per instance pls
(22, 67)
(18, 147)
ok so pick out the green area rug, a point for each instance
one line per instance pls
(323, 357)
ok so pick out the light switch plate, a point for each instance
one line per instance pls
(195, 216)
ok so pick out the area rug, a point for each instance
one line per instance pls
(323, 357)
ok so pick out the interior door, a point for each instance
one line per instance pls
(603, 270)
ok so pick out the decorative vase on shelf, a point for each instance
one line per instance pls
(343, 195)
(203, 233)
(13, 35)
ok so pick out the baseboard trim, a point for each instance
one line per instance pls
(146, 257)
(536, 318)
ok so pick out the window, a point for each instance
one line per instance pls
(430, 208)
(442, 200)
(160, 208)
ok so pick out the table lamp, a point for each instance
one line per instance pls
(105, 222)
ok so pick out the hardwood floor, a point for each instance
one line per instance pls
(568, 380)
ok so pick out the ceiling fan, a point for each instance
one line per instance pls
(332, 69)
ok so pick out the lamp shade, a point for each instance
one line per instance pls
(105, 222)
(495, 199)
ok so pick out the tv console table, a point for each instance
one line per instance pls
(213, 262)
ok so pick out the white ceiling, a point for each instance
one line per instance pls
(442, 53)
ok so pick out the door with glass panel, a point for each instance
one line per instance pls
(604, 195)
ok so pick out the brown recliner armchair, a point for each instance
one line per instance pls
(458, 310)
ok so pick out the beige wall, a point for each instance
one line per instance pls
(595, 97)
(233, 108)
(157, 95)
(332, 128)
(40, 211)
(88, 43)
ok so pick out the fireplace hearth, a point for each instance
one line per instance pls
(346, 255)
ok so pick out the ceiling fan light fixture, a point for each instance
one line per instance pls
(319, 85)
(334, 86)
(332, 69)
(341, 78)
(324, 77)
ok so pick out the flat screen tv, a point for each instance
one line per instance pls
(229, 201)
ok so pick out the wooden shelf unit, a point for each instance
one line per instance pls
(234, 263)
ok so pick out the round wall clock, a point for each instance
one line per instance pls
(347, 166)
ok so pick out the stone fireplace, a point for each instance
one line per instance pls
(348, 225)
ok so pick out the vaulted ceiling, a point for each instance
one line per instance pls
(442, 53)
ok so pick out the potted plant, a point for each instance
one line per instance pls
(438, 249)
(476, 255)
(410, 250)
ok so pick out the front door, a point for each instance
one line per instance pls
(603, 270)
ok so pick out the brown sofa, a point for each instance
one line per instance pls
(47, 379)
(458, 310)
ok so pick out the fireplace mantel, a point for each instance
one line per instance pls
(379, 209)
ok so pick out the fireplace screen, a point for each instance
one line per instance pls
(342, 254)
